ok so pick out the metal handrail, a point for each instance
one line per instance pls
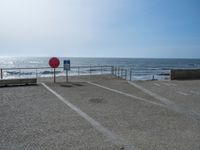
(81, 66)
(72, 67)
(119, 71)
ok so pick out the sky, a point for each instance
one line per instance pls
(100, 28)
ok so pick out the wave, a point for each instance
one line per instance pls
(50, 72)
(19, 73)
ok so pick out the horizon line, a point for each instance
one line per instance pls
(28, 56)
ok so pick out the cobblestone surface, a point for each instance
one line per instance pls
(33, 118)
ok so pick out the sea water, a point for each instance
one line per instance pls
(142, 68)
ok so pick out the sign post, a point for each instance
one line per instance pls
(54, 62)
(66, 64)
(1, 74)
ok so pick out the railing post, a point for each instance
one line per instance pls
(78, 71)
(36, 73)
(112, 70)
(90, 70)
(90, 73)
(121, 72)
(19, 73)
(126, 74)
(153, 78)
(130, 74)
(1, 74)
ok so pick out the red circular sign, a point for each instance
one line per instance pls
(54, 62)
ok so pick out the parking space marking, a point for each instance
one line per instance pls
(194, 92)
(169, 84)
(112, 137)
(169, 104)
(157, 84)
(126, 94)
(182, 93)
(156, 96)
(173, 84)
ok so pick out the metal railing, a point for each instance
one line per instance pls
(130, 73)
(8, 73)
(123, 72)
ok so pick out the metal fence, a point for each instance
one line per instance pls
(130, 73)
(10, 73)
(124, 72)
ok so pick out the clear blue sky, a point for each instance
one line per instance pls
(100, 28)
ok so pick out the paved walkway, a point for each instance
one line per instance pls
(104, 113)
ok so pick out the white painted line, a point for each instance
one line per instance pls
(156, 96)
(112, 137)
(126, 94)
(167, 84)
(194, 92)
(156, 84)
(182, 93)
(173, 84)
(169, 104)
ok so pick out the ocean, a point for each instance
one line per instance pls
(143, 68)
